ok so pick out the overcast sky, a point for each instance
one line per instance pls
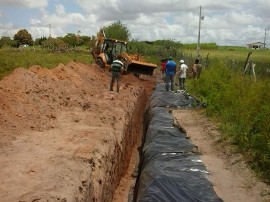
(230, 22)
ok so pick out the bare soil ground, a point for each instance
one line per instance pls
(233, 180)
(65, 137)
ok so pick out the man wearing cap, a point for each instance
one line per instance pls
(182, 75)
(170, 72)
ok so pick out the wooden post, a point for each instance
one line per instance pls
(247, 60)
(253, 70)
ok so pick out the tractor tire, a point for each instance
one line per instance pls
(100, 63)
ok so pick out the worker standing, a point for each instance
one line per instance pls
(196, 69)
(116, 69)
(170, 72)
(183, 75)
(163, 69)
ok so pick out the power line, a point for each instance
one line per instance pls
(199, 32)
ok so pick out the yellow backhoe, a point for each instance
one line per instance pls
(106, 50)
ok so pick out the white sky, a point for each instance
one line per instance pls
(230, 22)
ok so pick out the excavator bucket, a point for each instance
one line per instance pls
(136, 65)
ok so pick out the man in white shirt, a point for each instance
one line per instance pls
(182, 75)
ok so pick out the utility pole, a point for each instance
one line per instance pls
(264, 43)
(199, 32)
(49, 30)
(264, 39)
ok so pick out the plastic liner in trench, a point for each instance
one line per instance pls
(170, 169)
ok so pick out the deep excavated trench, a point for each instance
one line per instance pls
(128, 164)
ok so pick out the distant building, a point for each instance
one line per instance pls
(23, 46)
(256, 45)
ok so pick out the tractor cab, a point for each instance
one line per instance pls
(111, 48)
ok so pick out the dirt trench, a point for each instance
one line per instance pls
(65, 137)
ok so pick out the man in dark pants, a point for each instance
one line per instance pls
(170, 72)
(117, 69)
(183, 75)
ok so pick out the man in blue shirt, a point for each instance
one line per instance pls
(170, 72)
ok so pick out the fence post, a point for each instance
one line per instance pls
(247, 60)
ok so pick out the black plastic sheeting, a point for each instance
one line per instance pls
(162, 98)
(170, 169)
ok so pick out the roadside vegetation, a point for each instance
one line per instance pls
(239, 102)
(241, 105)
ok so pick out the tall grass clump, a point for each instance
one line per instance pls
(242, 106)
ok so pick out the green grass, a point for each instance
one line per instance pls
(12, 58)
(236, 53)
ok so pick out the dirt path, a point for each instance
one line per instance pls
(233, 181)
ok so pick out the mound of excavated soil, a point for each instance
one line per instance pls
(64, 136)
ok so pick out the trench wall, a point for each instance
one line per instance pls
(130, 136)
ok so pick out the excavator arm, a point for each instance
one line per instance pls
(105, 51)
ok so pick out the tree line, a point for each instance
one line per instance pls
(116, 30)
(24, 38)
(70, 40)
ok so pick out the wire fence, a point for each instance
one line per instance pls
(250, 67)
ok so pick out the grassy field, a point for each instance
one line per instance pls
(12, 58)
(236, 53)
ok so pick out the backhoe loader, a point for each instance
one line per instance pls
(106, 50)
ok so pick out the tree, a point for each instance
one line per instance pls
(6, 41)
(39, 41)
(57, 44)
(23, 37)
(117, 30)
(73, 40)
(86, 40)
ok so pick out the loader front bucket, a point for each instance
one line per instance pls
(137, 67)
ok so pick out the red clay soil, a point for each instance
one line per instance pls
(65, 137)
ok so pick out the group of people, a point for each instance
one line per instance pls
(168, 69)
